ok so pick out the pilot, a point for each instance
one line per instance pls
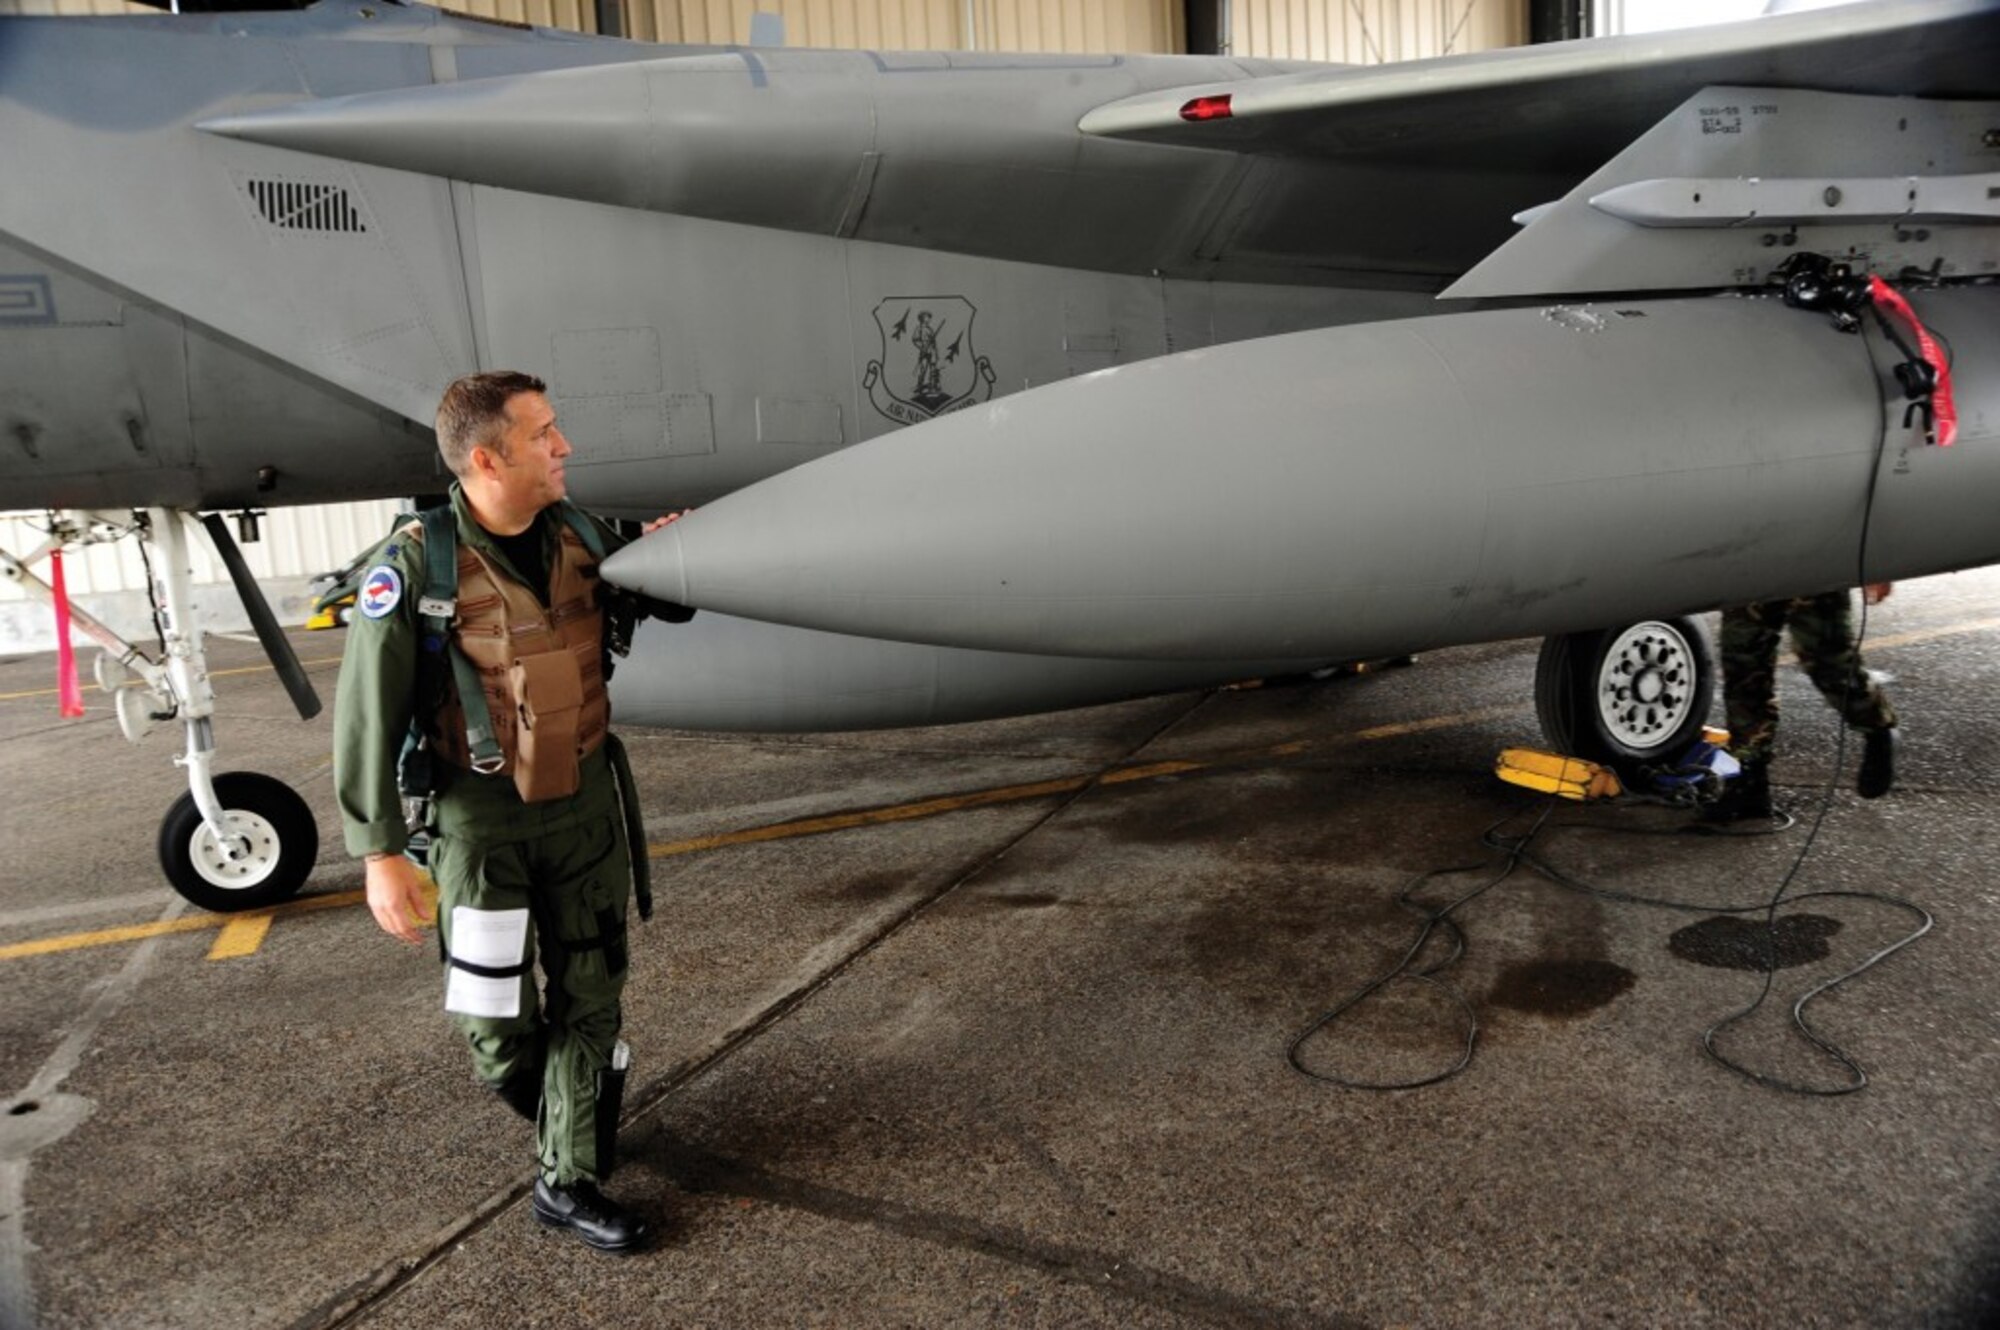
(530, 854)
(1823, 636)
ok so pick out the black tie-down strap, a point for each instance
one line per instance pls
(610, 1102)
(487, 971)
(610, 940)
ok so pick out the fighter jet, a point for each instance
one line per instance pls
(1006, 383)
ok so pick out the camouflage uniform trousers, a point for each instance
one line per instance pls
(1823, 636)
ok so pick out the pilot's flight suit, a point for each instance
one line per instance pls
(564, 859)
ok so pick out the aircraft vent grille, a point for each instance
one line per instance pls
(298, 206)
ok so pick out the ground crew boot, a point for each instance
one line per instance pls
(594, 1217)
(1878, 764)
(1745, 798)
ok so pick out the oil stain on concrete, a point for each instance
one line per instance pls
(1560, 988)
(1728, 942)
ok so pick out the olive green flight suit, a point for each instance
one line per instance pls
(564, 860)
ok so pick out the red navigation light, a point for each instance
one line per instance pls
(1207, 108)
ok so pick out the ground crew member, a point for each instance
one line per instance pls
(1823, 636)
(530, 854)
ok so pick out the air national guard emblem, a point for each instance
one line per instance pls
(928, 367)
(380, 591)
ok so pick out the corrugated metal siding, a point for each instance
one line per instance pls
(1357, 31)
(48, 7)
(576, 15)
(867, 24)
(1373, 31)
(921, 25)
(1148, 26)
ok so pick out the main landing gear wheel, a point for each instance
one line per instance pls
(275, 830)
(1629, 697)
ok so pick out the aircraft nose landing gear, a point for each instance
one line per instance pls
(235, 841)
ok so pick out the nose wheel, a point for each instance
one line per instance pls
(264, 857)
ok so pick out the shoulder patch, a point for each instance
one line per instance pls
(381, 591)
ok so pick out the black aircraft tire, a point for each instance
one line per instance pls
(1629, 697)
(283, 838)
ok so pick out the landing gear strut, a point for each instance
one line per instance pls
(1629, 697)
(237, 840)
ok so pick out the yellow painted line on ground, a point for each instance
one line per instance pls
(1430, 723)
(241, 936)
(1151, 771)
(105, 936)
(186, 924)
(869, 817)
(213, 674)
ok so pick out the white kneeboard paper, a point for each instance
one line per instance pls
(495, 939)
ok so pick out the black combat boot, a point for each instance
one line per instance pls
(594, 1217)
(1878, 764)
(1746, 797)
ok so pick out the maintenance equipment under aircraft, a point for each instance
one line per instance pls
(1110, 375)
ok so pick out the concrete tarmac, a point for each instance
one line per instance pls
(988, 1025)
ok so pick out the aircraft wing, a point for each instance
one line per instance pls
(1567, 106)
(1421, 165)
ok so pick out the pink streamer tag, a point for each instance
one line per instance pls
(66, 682)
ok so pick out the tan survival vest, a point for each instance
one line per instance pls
(542, 670)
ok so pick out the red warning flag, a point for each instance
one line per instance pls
(66, 683)
(1943, 408)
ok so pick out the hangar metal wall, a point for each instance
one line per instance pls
(982, 25)
(109, 580)
(70, 7)
(1372, 32)
(1356, 31)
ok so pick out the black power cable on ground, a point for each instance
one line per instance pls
(1516, 851)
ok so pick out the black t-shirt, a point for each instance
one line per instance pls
(529, 555)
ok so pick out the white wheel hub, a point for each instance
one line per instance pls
(1646, 684)
(254, 841)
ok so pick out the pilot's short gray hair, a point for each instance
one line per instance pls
(474, 412)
